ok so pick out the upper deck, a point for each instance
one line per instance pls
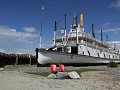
(77, 31)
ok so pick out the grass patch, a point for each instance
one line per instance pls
(81, 70)
(40, 74)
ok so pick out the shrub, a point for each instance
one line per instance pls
(112, 64)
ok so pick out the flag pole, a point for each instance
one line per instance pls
(41, 26)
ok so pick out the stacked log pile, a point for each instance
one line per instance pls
(16, 59)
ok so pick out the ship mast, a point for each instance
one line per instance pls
(76, 30)
(65, 29)
(93, 34)
(55, 34)
(101, 36)
(40, 46)
(62, 31)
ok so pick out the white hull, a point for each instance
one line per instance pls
(46, 57)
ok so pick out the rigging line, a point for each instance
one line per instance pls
(88, 30)
(70, 16)
(97, 27)
(63, 18)
(100, 29)
(60, 21)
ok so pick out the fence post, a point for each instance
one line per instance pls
(16, 61)
(30, 59)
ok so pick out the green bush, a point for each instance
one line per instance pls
(112, 64)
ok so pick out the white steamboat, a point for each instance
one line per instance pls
(77, 47)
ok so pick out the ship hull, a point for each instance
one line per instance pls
(48, 57)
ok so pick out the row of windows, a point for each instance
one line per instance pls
(99, 55)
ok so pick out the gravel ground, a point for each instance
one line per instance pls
(14, 78)
(113, 72)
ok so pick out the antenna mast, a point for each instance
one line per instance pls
(101, 35)
(41, 26)
(55, 34)
(93, 34)
(65, 29)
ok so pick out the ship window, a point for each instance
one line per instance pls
(83, 53)
(113, 57)
(73, 27)
(104, 56)
(89, 53)
(98, 55)
(109, 56)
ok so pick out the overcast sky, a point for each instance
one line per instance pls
(20, 21)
